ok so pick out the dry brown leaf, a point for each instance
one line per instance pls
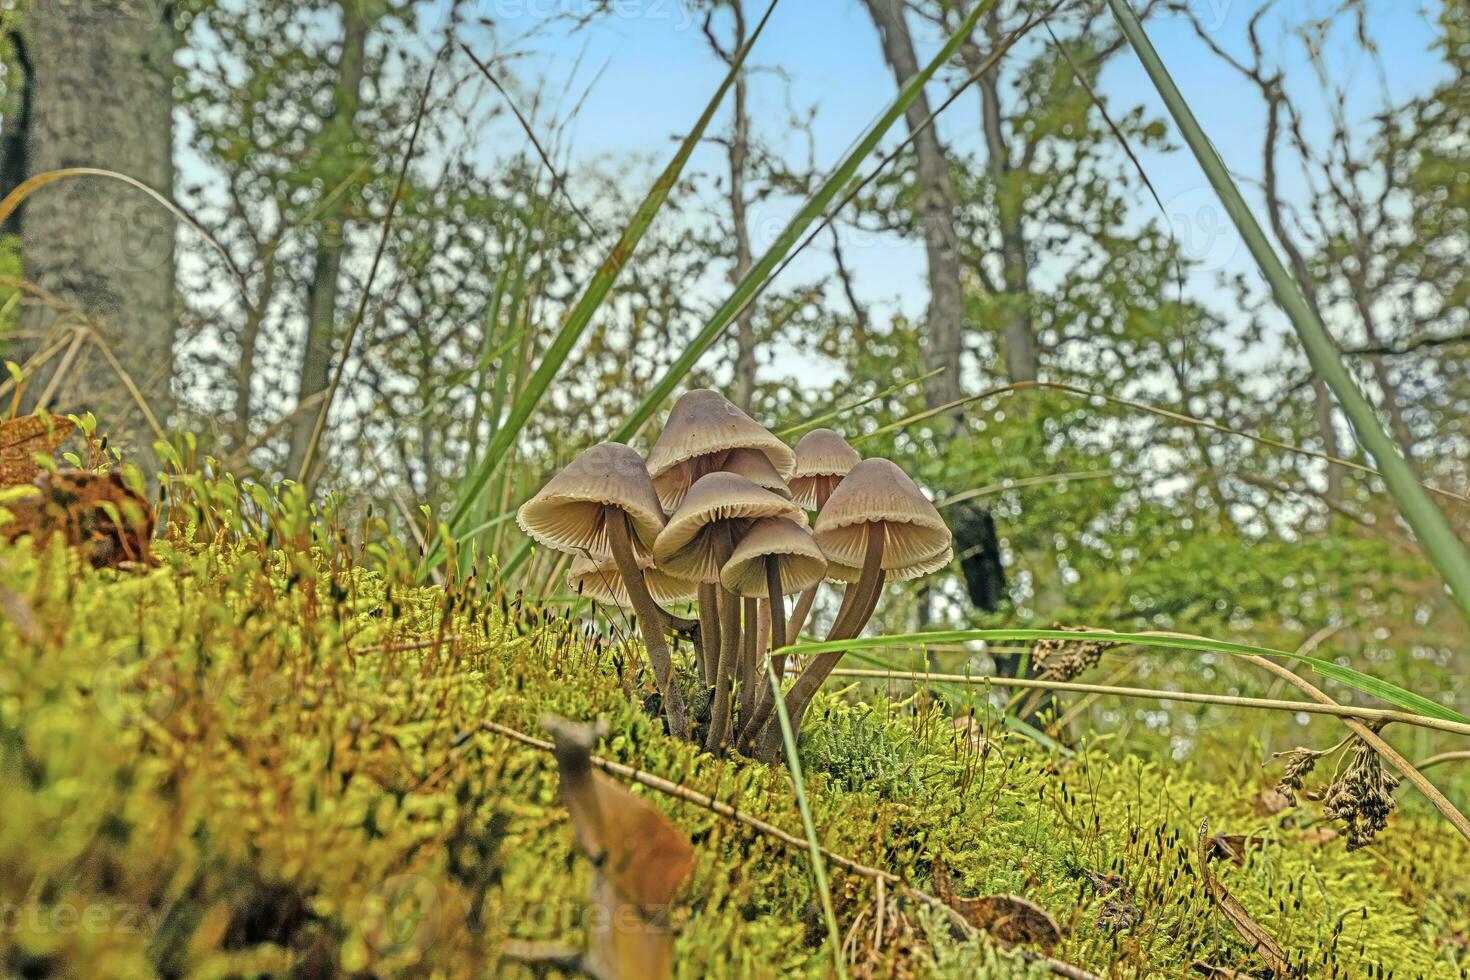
(21, 439)
(1259, 940)
(1210, 970)
(1232, 847)
(1009, 918)
(640, 858)
(96, 513)
(1269, 803)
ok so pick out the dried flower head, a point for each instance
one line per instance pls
(1062, 660)
(1362, 796)
(1299, 765)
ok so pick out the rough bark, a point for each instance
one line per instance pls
(935, 210)
(739, 152)
(1018, 336)
(101, 95)
(314, 372)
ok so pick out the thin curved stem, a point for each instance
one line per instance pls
(751, 728)
(777, 605)
(729, 603)
(651, 621)
(857, 605)
(748, 689)
(709, 631)
(804, 602)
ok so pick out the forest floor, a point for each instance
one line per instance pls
(254, 761)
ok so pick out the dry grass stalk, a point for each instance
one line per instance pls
(794, 841)
(1374, 741)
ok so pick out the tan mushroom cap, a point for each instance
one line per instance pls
(703, 426)
(801, 561)
(823, 458)
(716, 502)
(876, 491)
(571, 511)
(849, 573)
(756, 467)
(600, 582)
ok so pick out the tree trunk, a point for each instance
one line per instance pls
(935, 211)
(744, 387)
(101, 95)
(321, 295)
(1017, 334)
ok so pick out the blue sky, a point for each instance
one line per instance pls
(654, 71)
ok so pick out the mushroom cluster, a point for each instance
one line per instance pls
(717, 515)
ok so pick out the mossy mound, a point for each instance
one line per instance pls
(250, 762)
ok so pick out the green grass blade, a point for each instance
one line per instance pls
(842, 410)
(1443, 548)
(756, 279)
(1382, 689)
(960, 694)
(1364, 683)
(581, 315)
(819, 867)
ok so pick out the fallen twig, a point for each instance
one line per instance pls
(794, 841)
(1259, 940)
(1378, 715)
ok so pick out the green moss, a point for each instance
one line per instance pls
(244, 762)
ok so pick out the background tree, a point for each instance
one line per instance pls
(99, 93)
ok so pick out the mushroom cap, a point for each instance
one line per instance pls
(801, 561)
(823, 458)
(600, 582)
(717, 503)
(849, 574)
(703, 423)
(756, 467)
(570, 513)
(877, 492)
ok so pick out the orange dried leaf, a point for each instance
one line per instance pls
(22, 439)
(96, 513)
(640, 860)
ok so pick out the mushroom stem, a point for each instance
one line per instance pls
(719, 716)
(857, 606)
(804, 602)
(751, 728)
(679, 626)
(719, 719)
(748, 688)
(651, 619)
(709, 631)
(778, 615)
